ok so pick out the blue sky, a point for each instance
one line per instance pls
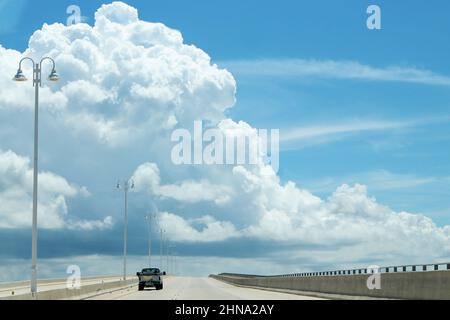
(387, 129)
(310, 29)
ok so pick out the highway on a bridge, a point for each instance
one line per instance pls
(190, 288)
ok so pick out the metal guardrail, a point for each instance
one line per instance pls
(350, 272)
(394, 269)
(241, 275)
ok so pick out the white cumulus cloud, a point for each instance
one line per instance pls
(348, 218)
(16, 191)
(203, 229)
(147, 178)
(119, 74)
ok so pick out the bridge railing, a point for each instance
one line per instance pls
(241, 275)
(390, 269)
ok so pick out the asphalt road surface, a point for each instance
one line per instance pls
(188, 288)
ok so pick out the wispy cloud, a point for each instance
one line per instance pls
(376, 180)
(333, 130)
(308, 132)
(331, 69)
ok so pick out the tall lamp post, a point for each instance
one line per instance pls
(171, 258)
(126, 186)
(161, 244)
(167, 255)
(37, 82)
(148, 217)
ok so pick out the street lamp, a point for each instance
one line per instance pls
(167, 255)
(161, 243)
(171, 253)
(127, 185)
(148, 217)
(37, 82)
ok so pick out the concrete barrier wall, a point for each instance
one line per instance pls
(403, 285)
(64, 293)
(26, 283)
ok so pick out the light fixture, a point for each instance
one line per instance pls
(53, 76)
(20, 76)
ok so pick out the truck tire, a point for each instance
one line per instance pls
(140, 287)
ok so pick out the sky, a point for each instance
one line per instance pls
(363, 118)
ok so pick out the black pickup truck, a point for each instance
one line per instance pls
(150, 277)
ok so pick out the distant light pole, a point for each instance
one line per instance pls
(175, 258)
(171, 258)
(167, 256)
(37, 82)
(127, 185)
(148, 217)
(175, 261)
(161, 247)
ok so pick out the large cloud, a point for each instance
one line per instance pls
(349, 218)
(122, 73)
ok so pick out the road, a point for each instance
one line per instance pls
(189, 288)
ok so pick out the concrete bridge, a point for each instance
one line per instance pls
(430, 281)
